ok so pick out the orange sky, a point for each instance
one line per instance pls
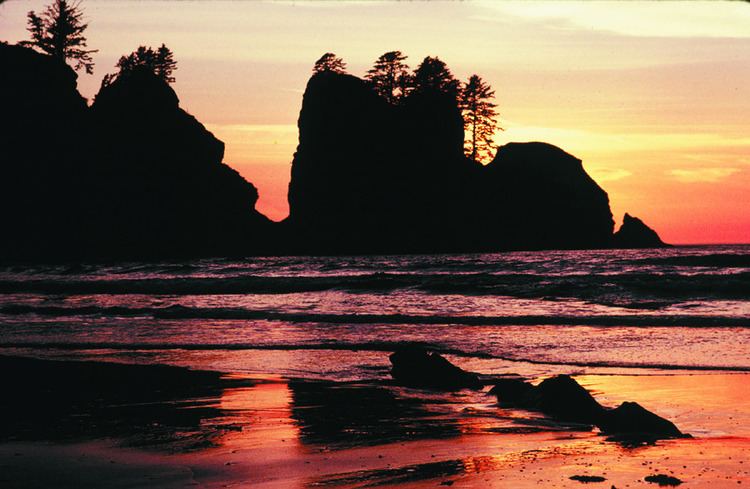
(653, 97)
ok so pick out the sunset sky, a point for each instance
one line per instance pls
(653, 97)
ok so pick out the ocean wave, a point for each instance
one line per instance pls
(625, 289)
(182, 312)
(376, 346)
(722, 260)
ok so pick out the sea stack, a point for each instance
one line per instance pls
(635, 234)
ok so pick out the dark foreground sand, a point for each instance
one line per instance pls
(87, 424)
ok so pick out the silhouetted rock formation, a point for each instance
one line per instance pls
(415, 367)
(559, 396)
(132, 176)
(538, 196)
(631, 417)
(43, 131)
(635, 234)
(369, 176)
(135, 176)
(168, 184)
(563, 398)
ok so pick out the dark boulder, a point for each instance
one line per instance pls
(635, 234)
(416, 367)
(515, 392)
(559, 396)
(632, 419)
(563, 398)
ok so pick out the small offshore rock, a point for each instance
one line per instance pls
(416, 367)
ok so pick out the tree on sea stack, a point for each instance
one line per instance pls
(58, 31)
(390, 76)
(434, 75)
(159, 61)
(480, 119)
(329, 62)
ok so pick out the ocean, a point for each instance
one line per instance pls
(684, 308)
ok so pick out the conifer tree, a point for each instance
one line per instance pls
(329, 62)
(480, 119)
(159, 61)
(434, 75)
(58, 31)
(165, 64)
(390, 76)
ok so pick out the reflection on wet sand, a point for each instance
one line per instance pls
(154, 406)
(263, 411)
(275, 432)
(335, 415)
(176, 409)
(703, 405)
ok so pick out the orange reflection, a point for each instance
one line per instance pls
(265, 413)
(703, 405)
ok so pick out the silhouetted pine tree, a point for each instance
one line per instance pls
(390, 76)
(159, 61)
(58, 31)
(329, 62)
(434, 75)
(165, 64)
(479, 119)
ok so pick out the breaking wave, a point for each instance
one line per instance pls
(620, 289)
(182, 312)
(376, 346)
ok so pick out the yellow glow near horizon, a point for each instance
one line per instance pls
(653, 97)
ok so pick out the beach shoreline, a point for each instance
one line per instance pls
(185, 428)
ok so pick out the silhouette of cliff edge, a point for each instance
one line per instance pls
(168, 191)
(44, 127)
(133, 176)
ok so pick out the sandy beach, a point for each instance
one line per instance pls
(184, 428)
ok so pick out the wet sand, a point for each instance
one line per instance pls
(89, 424)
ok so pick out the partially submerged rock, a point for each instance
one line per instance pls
(416, 367)
(516, 392)
(631, 417)
(563, 398)
(559, 396)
